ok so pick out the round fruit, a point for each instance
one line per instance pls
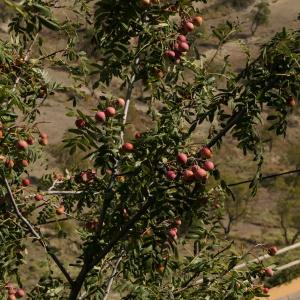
(84, 177)
(127, 147)
(9, 163)
(9, 286)
(188, 26)
(25, 163)
(110, 111)
(39, 197)
(26, 182)
(30, 141)
(22, 144)
(182, 158)
(265, 290)
(43, 135)
(121, 102)
(188, 176)
(181, 38)
(183, 47)
(291, 102)
(11, 297)
(269, 272)
(272, 250)
(145, 2)
(171, 175)
(43, 141)
(170, 54)
(173, 233)
(178, 222)
(208, 165)
(100, 116)
(199, 173)
(197, 20)
(206, 152)
(80, 123)
(60, 210)
(20, 293)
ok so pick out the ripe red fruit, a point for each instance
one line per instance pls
(80, 123)
(22, 144)
(138, 134)
(127, 147)
(26, 182)
(43, 141)
(60, 210)
(43, 135)
(20, 293)
(291, 102)
(30, 141)
(208, 165)
(199, 173)
(121, 102)
(197, 20)
(173, 233)
(100, 116)
(11, 297)
(188, 176)
(183, 47)
(39, 197)
(182, 158)
(181, 38)
(188, 26)
(9, 163)
(269, 272)
(170, 54)
(171, 175)
(206, 152)
(110, 111)
(265, 290)
(25, 163)
(272, 250)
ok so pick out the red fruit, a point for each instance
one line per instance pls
(84, 177)
(25, 163)
(127, 147)
(181, 38)
(269, 272)
(26, 182)
(30, 141)
(80, 123)
(178, 222)
(208, 165)
(188, 176)
(206, 152)
(20, 293)
(43, 135)
(291, 102)
(183, 47)
(11, 297)
(197, 20)
(60, 210)
(9, 163)
(100, 116)
(110, 111)
(173, 233)
(22, 144)
(39, 197)
(272, 250)
(137, 135)
(265, 290)
(182, 158)
(188, 26)
(43, 141)
(199, 173)
(170, 54)
(121, 102)
(171, 175)
(11, 291)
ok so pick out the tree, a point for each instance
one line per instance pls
(146, 195)
(260, 15)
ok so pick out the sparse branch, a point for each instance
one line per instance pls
(35, 233)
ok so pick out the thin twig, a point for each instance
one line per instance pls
(36, 234)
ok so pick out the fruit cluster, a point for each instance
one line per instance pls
(195, 172)
(13, 292)
(181, 45)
